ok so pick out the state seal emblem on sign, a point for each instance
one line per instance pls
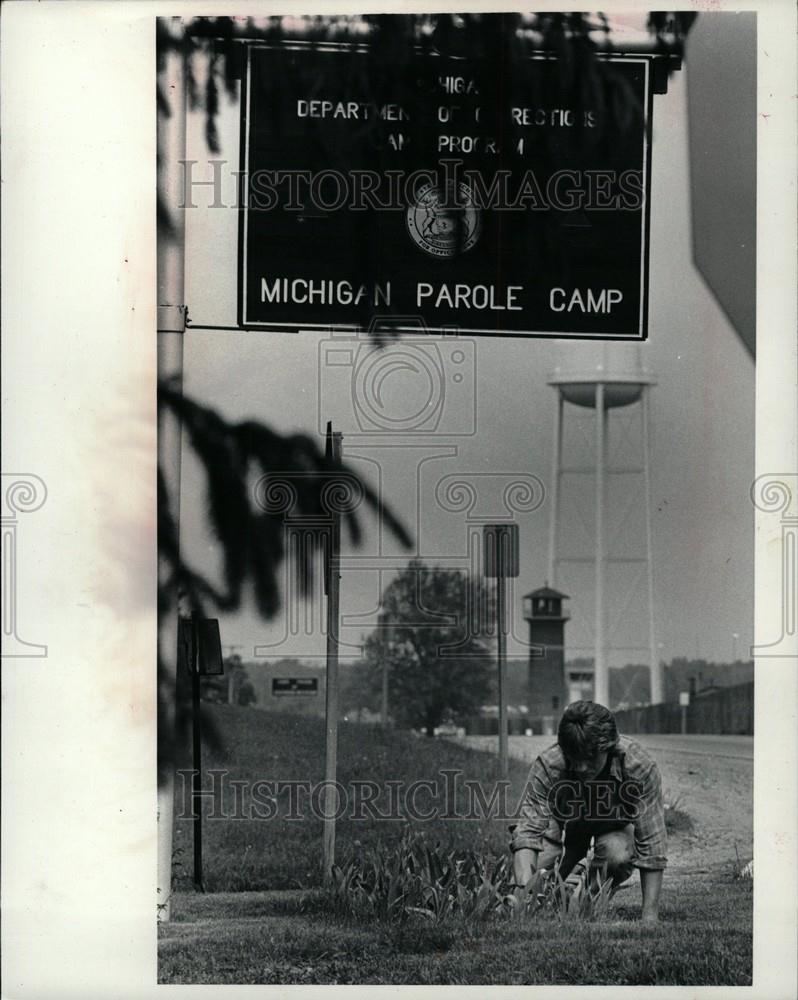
(444, 220)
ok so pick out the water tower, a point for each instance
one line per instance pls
(605, 377)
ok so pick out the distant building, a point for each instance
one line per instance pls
(551, 684)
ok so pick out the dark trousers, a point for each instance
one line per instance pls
(613, 848)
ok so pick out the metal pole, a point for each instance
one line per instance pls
(684, 720)
(196, 747)
(601, 692)
(171, 141)
(331, 752)
(657, 695)
(555, 489)
(501, 653)
(384, 704)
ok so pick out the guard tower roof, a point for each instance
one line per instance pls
(546, 592)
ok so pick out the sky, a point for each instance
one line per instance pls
(496, 428)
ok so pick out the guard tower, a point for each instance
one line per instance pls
(607, 377)
(548, 686)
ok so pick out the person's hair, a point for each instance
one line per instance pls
(586, 729)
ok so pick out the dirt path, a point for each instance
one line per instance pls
(717, 793)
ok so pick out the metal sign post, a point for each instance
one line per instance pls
(684, 702)
(501, 654)
(501, 560)
(332, 587)
(384, 693)
(196, 754)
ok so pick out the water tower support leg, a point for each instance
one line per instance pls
(554, 511)
(657, 695)
(601, 693)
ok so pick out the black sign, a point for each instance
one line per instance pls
(295, 685)
(470, 198)
(200, 646)
(209, 647)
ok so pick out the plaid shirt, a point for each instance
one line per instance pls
(628, 791)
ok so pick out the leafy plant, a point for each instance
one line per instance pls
(740, 870)
(677, 820)
(413, 880)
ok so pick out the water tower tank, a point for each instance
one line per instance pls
(617, 366)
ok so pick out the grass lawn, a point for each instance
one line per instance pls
(281, 853)
(703, 938)
(264, 919)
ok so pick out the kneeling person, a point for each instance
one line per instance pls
(594, 783)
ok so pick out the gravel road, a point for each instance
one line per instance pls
(711, 779)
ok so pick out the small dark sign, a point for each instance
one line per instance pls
(200, 646)
(209, 647)
(295, 686)
(466, 195)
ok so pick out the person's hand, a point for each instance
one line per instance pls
(651, 884)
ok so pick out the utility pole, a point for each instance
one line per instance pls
(332, 588)
(171, 143)
(384, 700)
(656, 687)
(203, 658)
(601, 680)
(684, 702)
(501, 655)
(554, 498)
(196, 752)
(501, 559)
(231, 649)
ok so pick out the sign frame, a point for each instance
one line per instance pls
(648, 60)
(296, 685)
